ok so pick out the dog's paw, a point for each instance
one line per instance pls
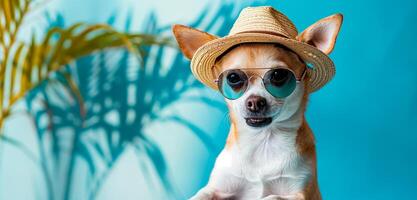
(210, 194)
(284, 197)
(272, 197)
(204, 194)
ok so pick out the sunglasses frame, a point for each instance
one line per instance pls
(298, 80)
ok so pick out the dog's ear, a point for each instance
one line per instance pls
(323, 33)
(189, 39)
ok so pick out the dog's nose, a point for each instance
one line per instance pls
(255, 103)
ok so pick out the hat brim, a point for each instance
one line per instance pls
(321, 68)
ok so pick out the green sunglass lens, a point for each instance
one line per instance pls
(280, 83)
(232, 84)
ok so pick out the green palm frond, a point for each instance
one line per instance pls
(24, 65)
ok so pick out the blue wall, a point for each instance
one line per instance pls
(151, 141)
(364, 119)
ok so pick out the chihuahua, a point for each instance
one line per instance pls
(270, 150)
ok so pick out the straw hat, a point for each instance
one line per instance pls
(262, 25)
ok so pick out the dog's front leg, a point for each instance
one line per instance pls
(298, 196)
(205, 193)
(222, 184)
(208, 193)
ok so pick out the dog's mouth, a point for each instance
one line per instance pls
(258, 121)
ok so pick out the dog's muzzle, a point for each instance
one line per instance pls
(257, 106)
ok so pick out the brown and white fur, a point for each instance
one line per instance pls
(277, 161)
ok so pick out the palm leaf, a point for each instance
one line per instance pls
(34, 62)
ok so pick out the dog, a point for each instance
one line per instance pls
(270, 150)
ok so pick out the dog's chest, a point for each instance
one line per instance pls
(264, 166)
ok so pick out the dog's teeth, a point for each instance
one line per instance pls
(256, 120)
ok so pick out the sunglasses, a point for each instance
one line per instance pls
(279, 82)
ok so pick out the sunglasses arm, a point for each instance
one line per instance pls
(302, 75)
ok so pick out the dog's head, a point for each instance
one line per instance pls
(257, 108)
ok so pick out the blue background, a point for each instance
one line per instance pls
(154, 132)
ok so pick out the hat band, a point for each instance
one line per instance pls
(266, 32)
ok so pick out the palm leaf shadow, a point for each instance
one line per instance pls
(105, 80)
